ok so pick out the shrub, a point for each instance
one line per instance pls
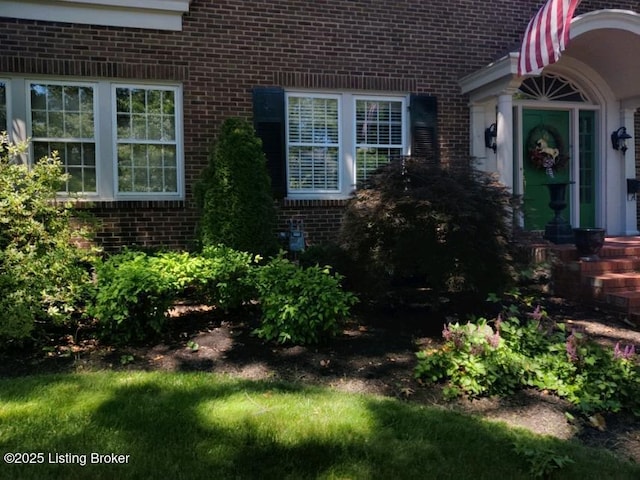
(415, 222)
(234, 194)
(216, 276)
(133, 296)
(479, 360)
(136, 290)
(43, 276)
(333, 256)
(300, 305)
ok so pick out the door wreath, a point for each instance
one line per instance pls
(546, 149)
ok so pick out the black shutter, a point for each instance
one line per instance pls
(424, 127)
(269, 122)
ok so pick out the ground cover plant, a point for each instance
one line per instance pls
(199, 425)
(519, 350)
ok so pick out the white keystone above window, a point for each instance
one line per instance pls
(152, 14)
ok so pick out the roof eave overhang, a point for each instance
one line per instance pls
(496, 78)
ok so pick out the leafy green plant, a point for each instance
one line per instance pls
(234, 194)
(300, 305)
(516, 353)
(135, 290)
(543, 462)
(44, 277)
(132, 298)
(216, 276)
(126, 359)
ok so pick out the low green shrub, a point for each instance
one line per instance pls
(135, 290)
(300, 305)
(478, 360)
(215, 276)
(133, 296)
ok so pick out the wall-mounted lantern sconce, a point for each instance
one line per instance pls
(619, 139)
(490, 135)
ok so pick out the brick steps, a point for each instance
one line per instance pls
(613, 280)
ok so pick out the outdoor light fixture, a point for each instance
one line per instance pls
(619, 139)
(490, 135)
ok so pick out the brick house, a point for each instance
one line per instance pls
(132, 94)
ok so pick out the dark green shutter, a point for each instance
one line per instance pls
(269, 122)
(423, 110)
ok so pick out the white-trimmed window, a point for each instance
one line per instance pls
(146, 139)
(117, 141)
(379, 134)
(63, 120)
(334, 141)
(313, 146)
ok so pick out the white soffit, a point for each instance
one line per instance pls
(151, 14)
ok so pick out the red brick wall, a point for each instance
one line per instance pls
(321, 218)
(227, 47)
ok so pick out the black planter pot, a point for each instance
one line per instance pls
(558, 230)
(588, 242)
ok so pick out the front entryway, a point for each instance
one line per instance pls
(548, 157)
(545, 135)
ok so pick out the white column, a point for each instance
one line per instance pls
(630, 205)
(505, 140)
(481, 117)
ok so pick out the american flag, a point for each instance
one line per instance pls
(546, 36)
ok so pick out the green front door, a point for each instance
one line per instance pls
(545, 142)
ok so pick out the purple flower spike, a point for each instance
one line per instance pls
(537, 314)
(625, 353)
(572, 348)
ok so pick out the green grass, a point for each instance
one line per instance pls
(198, 425)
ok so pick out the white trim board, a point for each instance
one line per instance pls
(149, 14)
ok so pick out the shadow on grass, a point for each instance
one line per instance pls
(196, 426)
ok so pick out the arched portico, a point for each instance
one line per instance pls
(601, 65)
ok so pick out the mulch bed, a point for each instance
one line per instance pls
(375, 354)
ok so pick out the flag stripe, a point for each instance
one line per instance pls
(546, 36)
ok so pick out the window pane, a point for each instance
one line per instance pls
(313, 143)
(62, 121)
(123, 126)
(147, 135)
(378, 134)
(71, 99)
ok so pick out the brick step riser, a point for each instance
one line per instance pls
(570, 254)
(579, 280)
(612, 281)
(622, 304)
(613, 284)
(601, 267)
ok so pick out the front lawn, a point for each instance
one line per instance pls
(200, 425)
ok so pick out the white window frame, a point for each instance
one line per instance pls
(96, 136)
(306, 192)
(177, 141)
(347, 138)
(7, 106)
(19, 120)
(404, 125)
